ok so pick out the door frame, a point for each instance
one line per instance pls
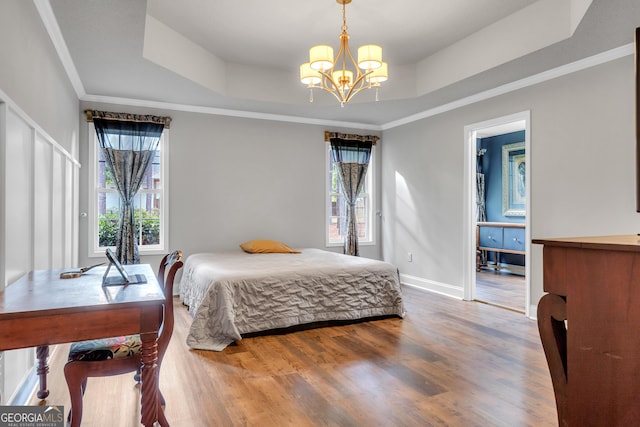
(520, 121)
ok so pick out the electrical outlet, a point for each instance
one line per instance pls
(410, 257)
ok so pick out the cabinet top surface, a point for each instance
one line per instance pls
(501, 224)
(626, 242)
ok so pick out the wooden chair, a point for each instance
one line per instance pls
(119, 355)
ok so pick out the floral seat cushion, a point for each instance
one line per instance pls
(106, 348)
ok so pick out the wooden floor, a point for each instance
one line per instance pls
(502, 289)
(447, 363)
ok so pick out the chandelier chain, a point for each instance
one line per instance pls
(344, 17)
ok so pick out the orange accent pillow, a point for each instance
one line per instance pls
(267, 247)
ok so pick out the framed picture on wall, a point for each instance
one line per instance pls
(513, 180)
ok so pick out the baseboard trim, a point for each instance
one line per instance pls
(26, 390)
(30, 384)
(432, 286)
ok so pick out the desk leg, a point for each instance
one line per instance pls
(552, 312)
(42, 353)
(149, 394)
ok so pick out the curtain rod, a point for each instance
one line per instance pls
(327, 136)
(128, 117)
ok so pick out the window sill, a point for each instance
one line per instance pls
(340, 244)
(155, 251)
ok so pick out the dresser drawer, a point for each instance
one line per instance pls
(514, 239)
(491, 237)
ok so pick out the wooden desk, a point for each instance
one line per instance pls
(593, 284)
(40, 309)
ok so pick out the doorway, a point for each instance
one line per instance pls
(499, 276)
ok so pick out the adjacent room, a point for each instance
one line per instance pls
(242, 214)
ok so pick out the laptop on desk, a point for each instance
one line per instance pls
(123, 278)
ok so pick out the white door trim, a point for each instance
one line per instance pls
(472, 132)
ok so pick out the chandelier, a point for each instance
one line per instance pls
(343, 77)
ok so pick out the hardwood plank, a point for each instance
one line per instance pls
(447, 363)
(501, 288)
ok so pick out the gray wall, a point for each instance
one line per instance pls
(38, 169)
(235, 179)
(582, 171)
(32, 75)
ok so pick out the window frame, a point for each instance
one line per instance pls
(94, 250)
(370, 194)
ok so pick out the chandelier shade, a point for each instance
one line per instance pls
(341, 75)
(321, 57)
(343, 78)
(380, 74)
(308, 75)
(369, 57)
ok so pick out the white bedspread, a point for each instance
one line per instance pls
(233, 293)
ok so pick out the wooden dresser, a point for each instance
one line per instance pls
(594, 357)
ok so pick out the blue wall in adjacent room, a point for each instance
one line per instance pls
(492, 168)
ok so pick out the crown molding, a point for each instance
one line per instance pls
(51, 25)
(226, 112)
(563, 70)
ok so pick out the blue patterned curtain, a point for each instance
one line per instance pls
(128, 143)
(481, 209)
(351, 154)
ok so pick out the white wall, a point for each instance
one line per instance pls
(33, 77)
(39, 217)
(235, 179)
(582, 172)
(38, 170)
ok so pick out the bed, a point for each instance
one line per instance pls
(234, 293)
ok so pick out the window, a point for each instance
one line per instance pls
(150, 206)
(337, 207)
